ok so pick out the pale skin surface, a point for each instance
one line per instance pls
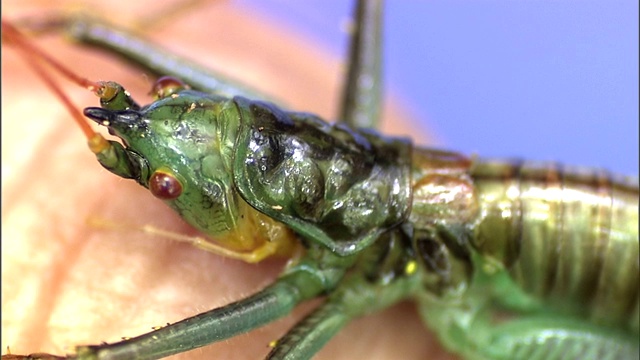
(67, 283)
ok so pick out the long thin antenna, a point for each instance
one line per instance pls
(36, 58)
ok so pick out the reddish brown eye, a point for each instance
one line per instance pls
(164, 185)
(167, 85)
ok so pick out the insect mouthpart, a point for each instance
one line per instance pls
(114, 119)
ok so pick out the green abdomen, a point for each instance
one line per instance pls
(525, 260)
(568, 236)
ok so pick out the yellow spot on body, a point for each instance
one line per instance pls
(174, 96)
(276, 207)
(193, 106)
(410, 268)
(273, 343)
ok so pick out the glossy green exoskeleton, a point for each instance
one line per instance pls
(506, 260)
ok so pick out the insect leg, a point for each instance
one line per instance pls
(301, 282)
(222, 323)
(357, 297)
(311, 334)
(154, 58)
(362, 92)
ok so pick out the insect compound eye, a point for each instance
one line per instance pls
(164, 185)
(167, 85)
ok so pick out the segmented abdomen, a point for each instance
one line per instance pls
(567, 235)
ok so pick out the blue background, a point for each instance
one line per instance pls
(546, 80)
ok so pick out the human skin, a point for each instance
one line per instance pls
(67, 283)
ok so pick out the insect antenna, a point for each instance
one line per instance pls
(36, 58)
